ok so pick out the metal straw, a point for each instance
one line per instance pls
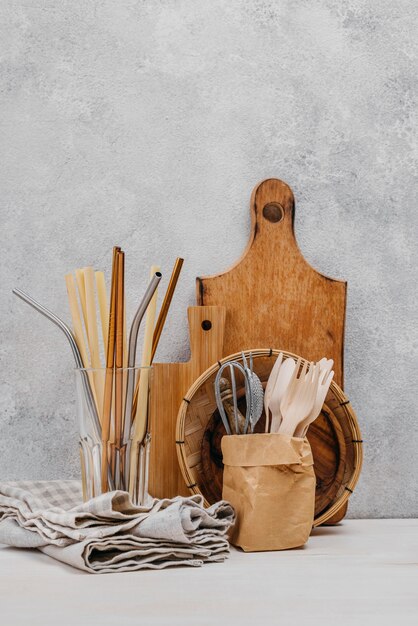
(130, 384)
(74, 347)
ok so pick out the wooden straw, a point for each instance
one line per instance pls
(140, 423)
(125, 353)
(166, 305)
(120, 315)
(107, 400)
(125, 342)
(93, 337)
(103, 307)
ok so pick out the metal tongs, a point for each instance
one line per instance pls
(253, 396)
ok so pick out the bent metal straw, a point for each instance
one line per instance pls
(74, 347)
(141, 414)
(133, 339)
(162, 318)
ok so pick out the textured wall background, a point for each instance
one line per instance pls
(147, 124)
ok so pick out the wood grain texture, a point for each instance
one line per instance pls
(274, 298)
(169, 384)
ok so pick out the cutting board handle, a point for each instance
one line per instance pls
(272, 210)
(206, 328)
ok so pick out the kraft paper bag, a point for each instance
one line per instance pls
(269, 480)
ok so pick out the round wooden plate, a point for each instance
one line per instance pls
(334, 437)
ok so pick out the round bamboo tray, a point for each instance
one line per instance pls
(334, 437)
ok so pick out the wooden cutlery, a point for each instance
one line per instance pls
(285, 374)
(271, 383)
(324, 382)
(295, 399)
(298, 401)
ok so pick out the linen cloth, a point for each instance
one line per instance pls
(108, 533)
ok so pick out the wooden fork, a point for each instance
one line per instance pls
(324, 382)
(288, 370)
(299, 400)
(269, 389)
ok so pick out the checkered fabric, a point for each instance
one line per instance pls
(64, 494)
(108, 533)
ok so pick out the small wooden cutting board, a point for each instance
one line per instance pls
(169, 384)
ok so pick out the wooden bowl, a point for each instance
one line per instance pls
(334, 437)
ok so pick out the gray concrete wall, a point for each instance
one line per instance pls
(147, 124)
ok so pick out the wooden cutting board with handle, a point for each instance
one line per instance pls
(272, 296)
(169, 384)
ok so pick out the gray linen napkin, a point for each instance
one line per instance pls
(108, 533)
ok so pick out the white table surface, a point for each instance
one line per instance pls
(362, 572)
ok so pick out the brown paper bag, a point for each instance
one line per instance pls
(270, 481)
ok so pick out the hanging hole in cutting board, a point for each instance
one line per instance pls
(206, 325)
(273, 212)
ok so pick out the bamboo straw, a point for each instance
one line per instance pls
(93, 337)
(79, 335)
(107, 401)
(76, 318)
(166, 305)
(125, 353)
(103, 307)
(79, 277)
(125, 343)
(140, 423)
